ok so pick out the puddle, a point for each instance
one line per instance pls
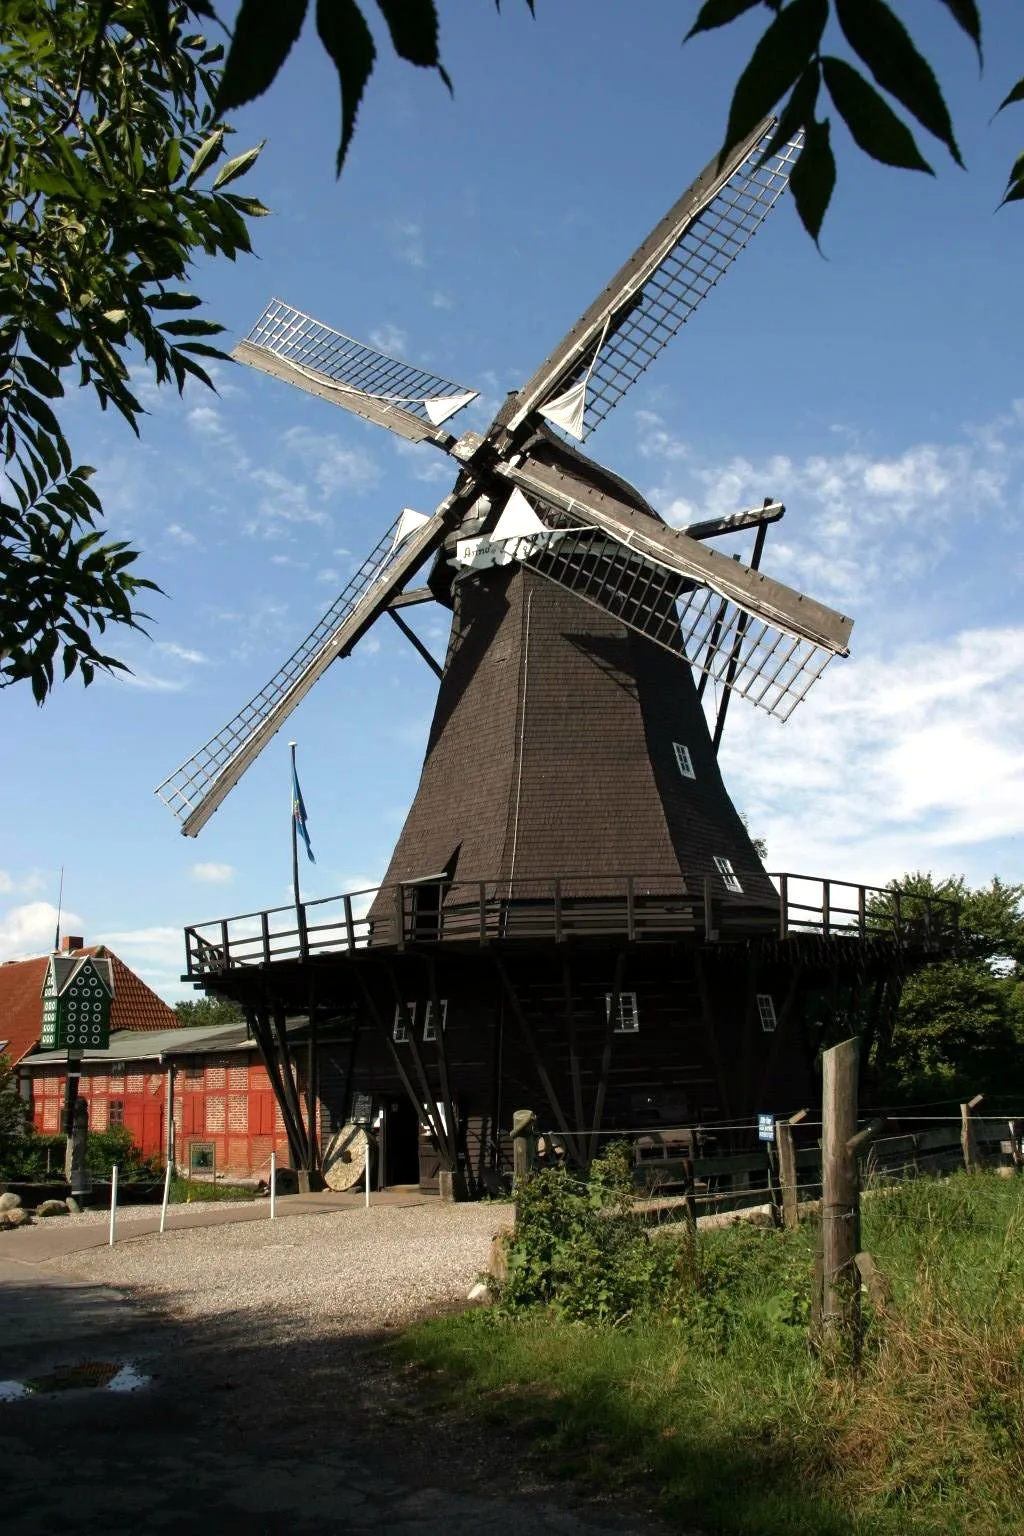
(89, 1375)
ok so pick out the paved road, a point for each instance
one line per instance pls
(231, 1441)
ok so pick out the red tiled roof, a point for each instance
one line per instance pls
(136, 1006)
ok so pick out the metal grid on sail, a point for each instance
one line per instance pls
(683, 279)
(318, 349)
(733, 648)
(183, 791)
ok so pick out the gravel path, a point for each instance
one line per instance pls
(350, 1271)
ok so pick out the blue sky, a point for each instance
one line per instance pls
(877, 392)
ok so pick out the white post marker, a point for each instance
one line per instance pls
(113, 1205)
(273, 1185)
(167, 1195)
(366, 1172)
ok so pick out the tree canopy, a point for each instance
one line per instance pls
(107, 125)
(216, 1012)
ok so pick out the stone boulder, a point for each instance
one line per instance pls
(497, 1263)
(9, 1201)
(73, 1206)
(52, 1208)
(14, 1216)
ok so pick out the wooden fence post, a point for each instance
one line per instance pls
(787, 1169)
(840, 1206)
(524, 1142)
(968, 1140)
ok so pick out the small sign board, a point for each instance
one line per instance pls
(362, 1108)
(202, 1159)
(766, 1127)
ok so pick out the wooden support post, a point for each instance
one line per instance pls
(787, 1169)
(442, 1063)
(840, 1207)
(573, 1146)
(290, 1088)
(261, 1031)
(384, 1032)
(574, 1048)
(524, 1142)
(968, 1140)
(606, 1055)
(440, 1133)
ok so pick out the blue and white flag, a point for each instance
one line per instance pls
(299, 813)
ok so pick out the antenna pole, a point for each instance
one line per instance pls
(295, 853)
(60, 902)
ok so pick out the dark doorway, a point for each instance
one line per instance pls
(401, 1143)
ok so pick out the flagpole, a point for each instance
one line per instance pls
(295, 854)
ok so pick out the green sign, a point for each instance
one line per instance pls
(77, 1000)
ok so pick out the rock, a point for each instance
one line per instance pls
(52, 1208)
(497, 1263)
(13, 1217)
(479, 1292)
(73, 1205)
(9, 1201)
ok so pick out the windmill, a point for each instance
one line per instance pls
(573, 750)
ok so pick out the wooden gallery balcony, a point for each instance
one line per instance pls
(638, 908)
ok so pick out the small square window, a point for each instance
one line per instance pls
(728, 874)
(684, 762)
(766, 1008)
(429, 1027)
(400, 1030)
(115, 1113)
(117, 1069)
(628, 1021)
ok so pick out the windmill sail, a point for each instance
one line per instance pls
(659, 287)
(195, 790)
(293, 346)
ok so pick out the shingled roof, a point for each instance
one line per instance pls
(135, 1007)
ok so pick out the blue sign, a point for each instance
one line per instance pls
(766, 1127)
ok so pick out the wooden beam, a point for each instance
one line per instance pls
(415, 641)
(442, 1057)
(261, 1031)
(288, 1078)
(573, 1146)
(385, 1033)
(606, 1054)
(840, 1202)
(445, 1144)
(574, 1052)
(737, 646)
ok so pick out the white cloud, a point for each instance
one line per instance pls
(29, 930)
(179, 534)
(334, 467)
(156, 954)
(410, 243)
(181, 653)
(441, 300)
(900, 761)
(390, 339)
(213, 874)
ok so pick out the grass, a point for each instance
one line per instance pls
(720, 1409)
(186, 1190)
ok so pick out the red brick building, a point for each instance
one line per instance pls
(206, 1082)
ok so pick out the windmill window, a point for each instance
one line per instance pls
(429, 1026)
(115, 1114)
(117, 1069)
(728, 874)
(684, 762)
(628, 1021)
(400, 1031)
(766, 1008)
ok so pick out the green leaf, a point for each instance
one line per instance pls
(873, 124)
(248, 205)
(798, 111)
(345, 35)
(1017, 94)
(813, 177)
(172, 301)
(414, 32)
(43, 380)
(885, 45)
(265, 31)
(1015, 184)
(208, 150)
(191, 328)
(238, 166)
(965, 13)
(782, 55)
(718, 13)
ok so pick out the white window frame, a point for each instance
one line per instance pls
(730, 879)
(628, 1022)
(429, 1030)
(400, 1029)
(766, 1010)
(684, 760)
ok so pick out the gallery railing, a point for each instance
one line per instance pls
(634, 907)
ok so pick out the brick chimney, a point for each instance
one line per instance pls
(71, 942)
